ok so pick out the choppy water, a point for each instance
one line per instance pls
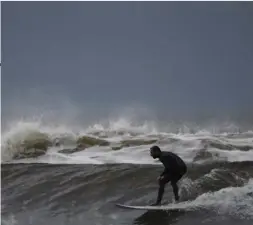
(83, 187)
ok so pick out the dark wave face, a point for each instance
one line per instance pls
(86, 194)
(62, 177)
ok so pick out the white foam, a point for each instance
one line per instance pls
(187, 145)
(235, 201)
(134, 155)
(234, 156)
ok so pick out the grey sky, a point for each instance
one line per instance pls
(180, 57)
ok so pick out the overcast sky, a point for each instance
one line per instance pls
(178, 58)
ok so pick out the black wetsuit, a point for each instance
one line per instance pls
(175, 168)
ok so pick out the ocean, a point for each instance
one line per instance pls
(58, 175)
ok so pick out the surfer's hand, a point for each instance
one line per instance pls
(159, 178)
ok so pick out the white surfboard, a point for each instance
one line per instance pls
(170, 207)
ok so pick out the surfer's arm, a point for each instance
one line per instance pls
(166, 170)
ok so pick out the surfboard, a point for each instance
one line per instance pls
(170, 207)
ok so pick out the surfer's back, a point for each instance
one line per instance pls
(172, 161)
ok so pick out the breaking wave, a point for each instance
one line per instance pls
(122, 141)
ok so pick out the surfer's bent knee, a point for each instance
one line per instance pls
(162, 182)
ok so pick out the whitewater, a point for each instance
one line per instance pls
(185, 143)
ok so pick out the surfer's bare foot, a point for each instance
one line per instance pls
(177, 198)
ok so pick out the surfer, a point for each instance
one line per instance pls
(175, 168)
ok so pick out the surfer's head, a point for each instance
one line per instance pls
(155, 151)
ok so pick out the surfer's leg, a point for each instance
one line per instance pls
(162, 183)
(175, 190)
(160, 194)
(174, 185)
